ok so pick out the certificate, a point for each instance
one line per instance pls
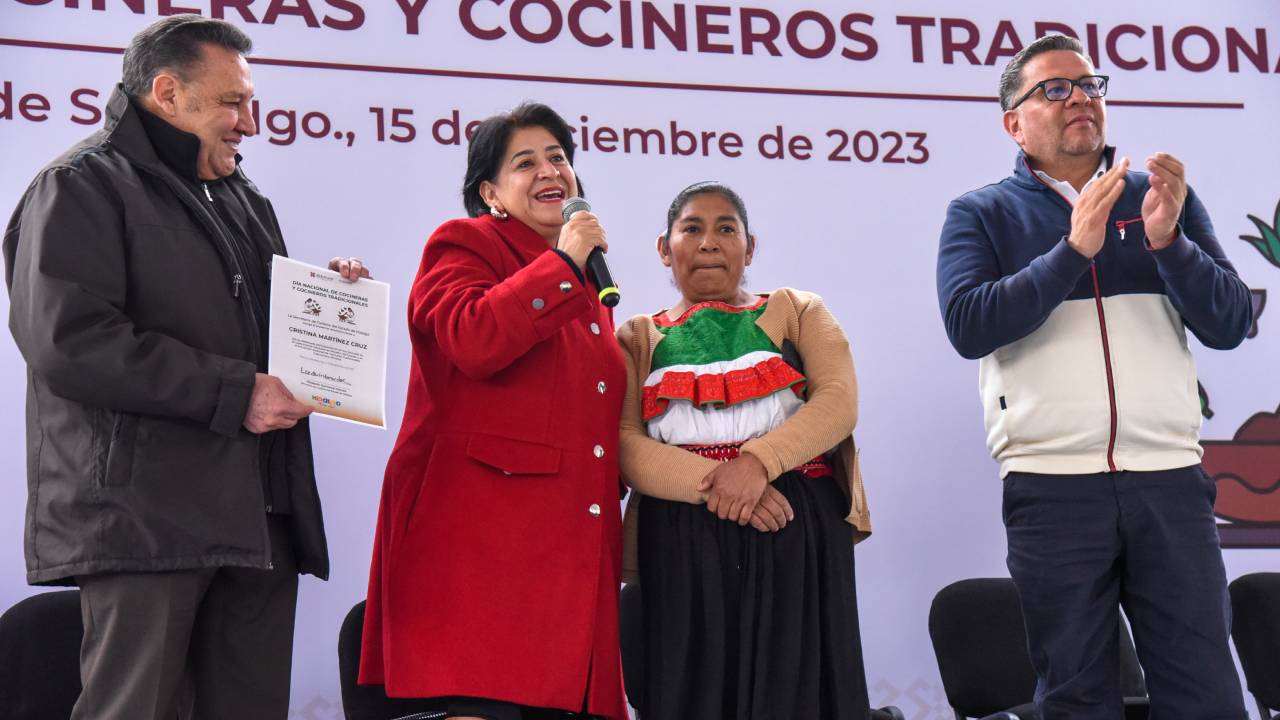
(328, 340)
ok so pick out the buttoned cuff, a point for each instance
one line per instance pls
(547, 294)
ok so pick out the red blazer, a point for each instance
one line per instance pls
(497, 557)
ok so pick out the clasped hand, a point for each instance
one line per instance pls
(739, 490)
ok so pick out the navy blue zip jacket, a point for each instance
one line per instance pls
(1084, 364)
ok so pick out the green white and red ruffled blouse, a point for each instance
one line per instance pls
(716, 378)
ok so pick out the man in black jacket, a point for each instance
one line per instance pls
(168, 475)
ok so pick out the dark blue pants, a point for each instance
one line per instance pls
(1081, 546)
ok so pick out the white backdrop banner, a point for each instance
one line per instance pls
(846, 127)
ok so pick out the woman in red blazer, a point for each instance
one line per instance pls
(496, 564)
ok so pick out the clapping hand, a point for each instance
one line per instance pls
(1093, 207)
(1162, 204)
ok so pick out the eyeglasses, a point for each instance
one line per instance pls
(1059, 89)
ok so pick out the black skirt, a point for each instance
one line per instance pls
(447, 707)
(747, 625)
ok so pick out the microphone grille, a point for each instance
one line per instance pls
(573, 205)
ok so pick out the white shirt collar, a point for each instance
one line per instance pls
(1065, 189)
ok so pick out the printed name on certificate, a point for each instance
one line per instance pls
(328, 340)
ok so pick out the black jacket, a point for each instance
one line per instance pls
(141, 343)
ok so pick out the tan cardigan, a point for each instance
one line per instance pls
(824, 422)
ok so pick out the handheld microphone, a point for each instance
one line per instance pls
(597, 268)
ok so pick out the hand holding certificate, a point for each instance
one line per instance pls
(329, 340)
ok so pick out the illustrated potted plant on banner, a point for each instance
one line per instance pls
(1246, 468)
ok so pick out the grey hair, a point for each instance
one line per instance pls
(1011, 78)
(174, 44)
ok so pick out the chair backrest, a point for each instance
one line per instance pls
(365, 702)
(981, 646)
(631, 628)
(40, 657)
(1255, 627)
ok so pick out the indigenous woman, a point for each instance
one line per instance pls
(736, 431)
(494, 585)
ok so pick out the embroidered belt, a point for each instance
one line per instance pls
(815, 468)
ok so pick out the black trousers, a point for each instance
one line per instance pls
(1081, 546)
(212, 644)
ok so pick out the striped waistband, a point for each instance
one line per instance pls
(815, 468)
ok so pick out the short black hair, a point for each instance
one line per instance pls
(702, 188)
(488, 146)
(1011, 78)
(175, 44)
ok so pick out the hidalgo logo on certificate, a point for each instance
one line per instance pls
(329, 340)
